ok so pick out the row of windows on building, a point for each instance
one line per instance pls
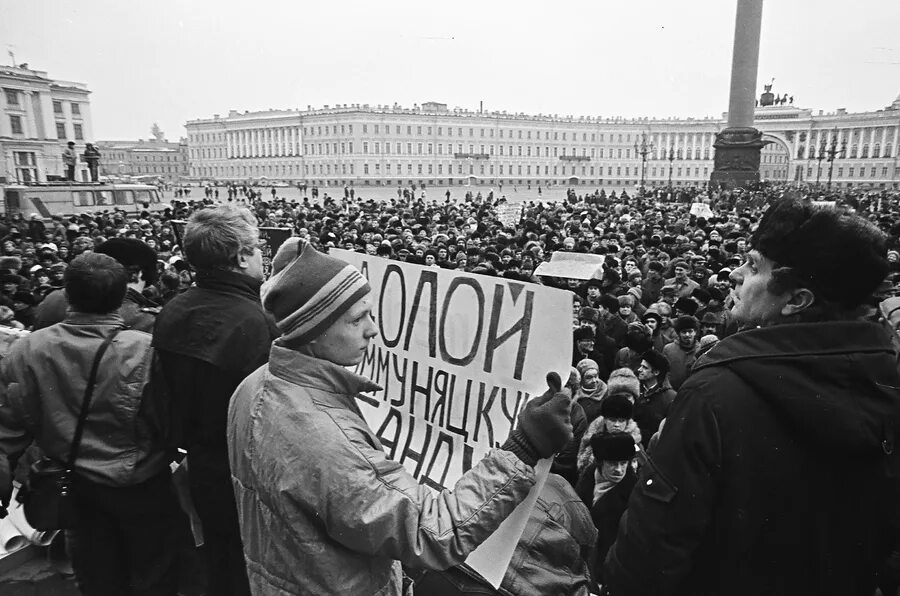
(508, 133)
(854, 153)
(12, 99)
(347, 129)
(388, 148)
(440, 169)
(17, 127)
(853, 172)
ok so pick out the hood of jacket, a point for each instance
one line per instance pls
(836, 382)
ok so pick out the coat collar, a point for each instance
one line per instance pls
(798, 339)
(112, 319)
(316, 373)
(229, 282)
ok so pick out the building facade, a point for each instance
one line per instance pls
(39, 116)
(152, 160)
(389, 145)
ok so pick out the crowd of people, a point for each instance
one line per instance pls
(728, 393)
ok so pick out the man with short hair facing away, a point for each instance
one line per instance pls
(137, 311)
(124, 538)
(209, 339)
(322, 509)
(652, 406)
(682, 353)
(776, 470)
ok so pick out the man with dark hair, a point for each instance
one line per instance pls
(124, 537)
(137, 311)
(609, 322)
(657, 395)
(209, 339)
(776, 471)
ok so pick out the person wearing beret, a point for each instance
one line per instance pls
(322, 509)
(138, 311)
(776, 471)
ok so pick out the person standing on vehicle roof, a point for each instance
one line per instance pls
(92, 157)
(70, 159)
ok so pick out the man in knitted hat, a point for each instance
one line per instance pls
(209, 338)
(323, 510)
(775, 472)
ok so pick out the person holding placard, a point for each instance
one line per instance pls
(322, 509)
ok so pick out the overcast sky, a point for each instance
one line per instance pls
(169, 61)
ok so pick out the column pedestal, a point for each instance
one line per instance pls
(737, 158)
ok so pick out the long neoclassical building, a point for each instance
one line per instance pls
(367, 145)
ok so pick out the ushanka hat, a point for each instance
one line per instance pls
(308, 290)
(613, 447)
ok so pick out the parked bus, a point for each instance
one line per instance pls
(66, 199)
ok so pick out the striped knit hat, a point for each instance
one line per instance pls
(308, 290)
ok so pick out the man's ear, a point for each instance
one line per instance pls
(800, 300)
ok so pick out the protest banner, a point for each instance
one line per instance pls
(701, 210)
(270, 240)
(458, 356)
(572, 265)
(509, 214)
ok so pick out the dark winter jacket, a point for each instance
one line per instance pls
(605, 513)
(651, 408)
(209, 339)
(771, 476)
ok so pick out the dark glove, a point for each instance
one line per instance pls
(544, 425)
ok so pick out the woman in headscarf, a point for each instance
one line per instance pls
(591, 389)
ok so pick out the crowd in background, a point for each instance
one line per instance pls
(659, 298)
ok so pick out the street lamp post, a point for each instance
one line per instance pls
(833, 152)
(819, 159)
(643, 150)
(671, 158)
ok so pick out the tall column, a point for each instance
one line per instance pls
(738, 146)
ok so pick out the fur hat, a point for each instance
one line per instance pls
(308, 290)
(685, 322)
(613, 447)
(10, 263)
(617, 405)
(622, 380)
(841, 258)
(657, 362)
(686, 305)
(584, 333)
(589, 314)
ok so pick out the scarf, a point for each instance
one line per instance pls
(601, 485)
